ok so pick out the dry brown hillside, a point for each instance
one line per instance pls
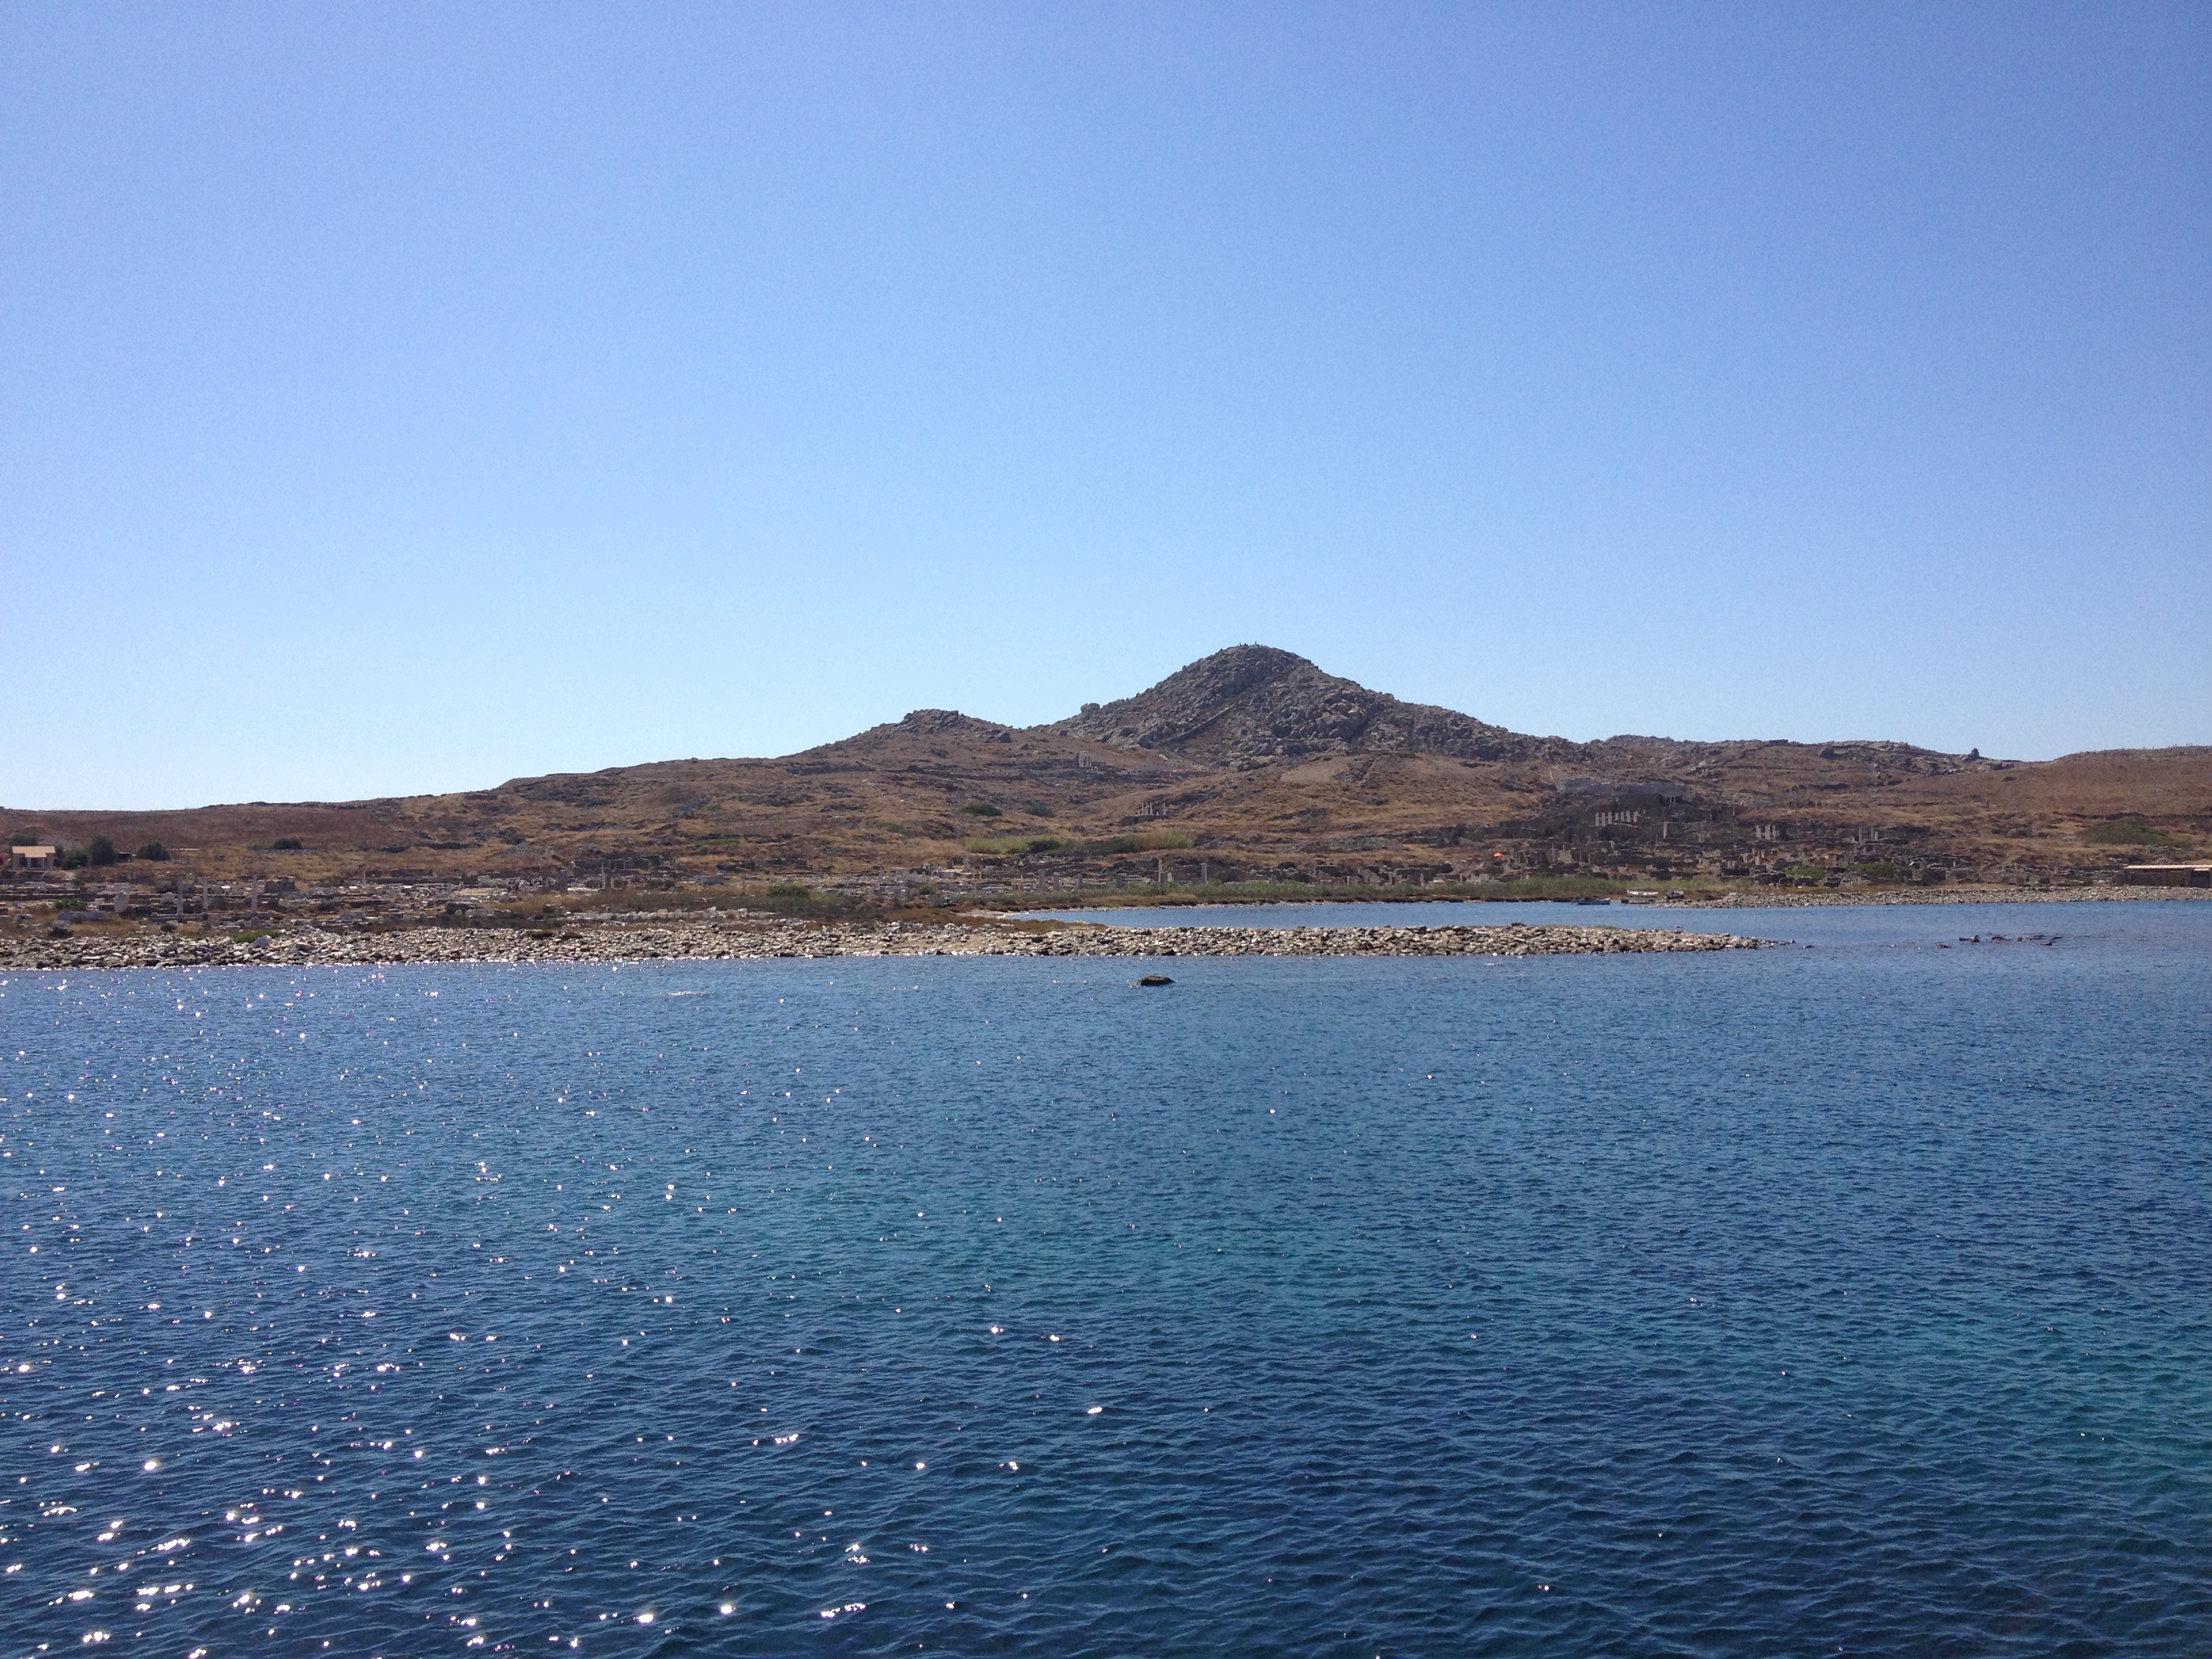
(1253, 763)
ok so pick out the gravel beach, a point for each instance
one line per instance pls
(742, 938)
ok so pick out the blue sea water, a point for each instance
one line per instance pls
(1854, 1298)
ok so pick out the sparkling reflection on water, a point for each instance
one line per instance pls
(1848, 1298)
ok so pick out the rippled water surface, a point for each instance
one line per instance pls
(1853, 1298)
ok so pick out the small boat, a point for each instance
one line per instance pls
(1593, 900)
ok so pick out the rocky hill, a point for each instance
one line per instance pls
(1253, 705)
(1253, 763)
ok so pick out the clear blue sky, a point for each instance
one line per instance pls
(401, 397)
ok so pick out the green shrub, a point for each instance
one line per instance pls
(1156, 841)
(981, 810)
(287, 844)
(154, 853)
(1881, 871)
(99, 851)
(1150, 840)
(1024, 844)
(790, 891)
(2120, 833)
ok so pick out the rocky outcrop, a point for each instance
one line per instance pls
(942, 722)
(929, 724)
(1253, 704)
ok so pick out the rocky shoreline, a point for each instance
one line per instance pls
(1946, 895)
(730, 939)
(1761, 899)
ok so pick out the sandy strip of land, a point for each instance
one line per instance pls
(735, 939)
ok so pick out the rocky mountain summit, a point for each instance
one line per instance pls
(1252, 705)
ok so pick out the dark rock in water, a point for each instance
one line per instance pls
(1155, 979)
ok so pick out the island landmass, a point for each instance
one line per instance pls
(1250, 776)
